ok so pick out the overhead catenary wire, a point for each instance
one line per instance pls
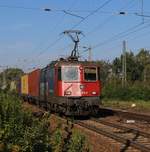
(19, 7)
(70, 12)
(109, 18)
(55, 41)
(135, 37)
(50, 46)
(57, 24)
(47, 9)
(124, 34)
(92, 13)
(118, 36)
(139, 35)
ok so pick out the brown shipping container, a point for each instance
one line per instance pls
(34, 78)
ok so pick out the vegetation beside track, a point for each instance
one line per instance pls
(20, 131)
(137, 84)
(139, 105)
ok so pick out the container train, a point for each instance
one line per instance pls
(68, 87)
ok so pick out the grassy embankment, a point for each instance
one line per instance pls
(138, 105)
(132, 97)
(20, 131)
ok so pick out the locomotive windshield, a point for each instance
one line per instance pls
(70, 73)
(90, 74)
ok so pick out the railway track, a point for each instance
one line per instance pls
(129, 137)
(125, 114)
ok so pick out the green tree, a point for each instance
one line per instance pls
(134, 68)
(143, 58)
(105, 68)
(9, 75)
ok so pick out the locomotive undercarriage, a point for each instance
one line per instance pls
(72, 106)
(75, 106)
(82, 106)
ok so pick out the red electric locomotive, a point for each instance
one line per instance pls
(67, 86)
(70, 87)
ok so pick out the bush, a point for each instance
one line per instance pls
(68, 140)
(19, 130)
(78, 143)
(134, 92)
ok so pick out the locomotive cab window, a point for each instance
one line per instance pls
(70, 73)
(90, 74)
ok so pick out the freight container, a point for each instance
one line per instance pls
(24, 84)
(34, 78)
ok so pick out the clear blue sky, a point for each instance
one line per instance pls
(26, 34)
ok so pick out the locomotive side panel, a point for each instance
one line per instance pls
(42, 85)
(50, 81)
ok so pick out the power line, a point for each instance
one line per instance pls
(140, 35)
(50, 46)
(116, 36)
(92, 13)
(142, 9)
(109, 18)
(120, 36)
(58, 24)
(57, 40)
(19, 7)
(66, 12)
(42, 9)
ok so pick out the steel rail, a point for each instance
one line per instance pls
(128, 142)
(127, 129)
(127, 114)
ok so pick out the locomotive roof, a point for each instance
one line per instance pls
(66, 62)
(85, 63)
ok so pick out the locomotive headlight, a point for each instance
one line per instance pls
(82, 86)
(93, 93)
(68, 93)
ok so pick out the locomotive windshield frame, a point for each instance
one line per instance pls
(70, 73)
